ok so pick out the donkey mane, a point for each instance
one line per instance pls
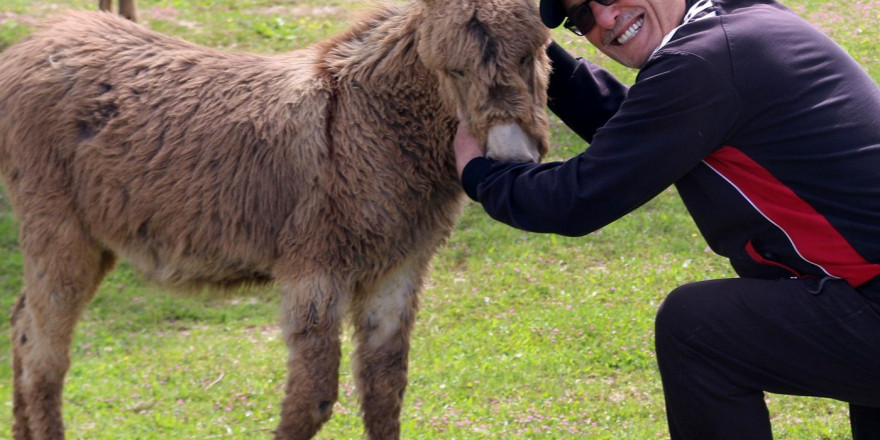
(385, 36)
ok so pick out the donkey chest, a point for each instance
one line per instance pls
(378, 221)
(396, 208)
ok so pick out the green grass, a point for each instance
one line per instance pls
(519, 335)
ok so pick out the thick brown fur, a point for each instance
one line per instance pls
(127, 8)
(328, 170)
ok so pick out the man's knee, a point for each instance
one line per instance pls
(679, 314)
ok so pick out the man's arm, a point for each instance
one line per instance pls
(675, 115)
(582, 94)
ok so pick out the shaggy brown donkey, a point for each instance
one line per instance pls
(327, 170)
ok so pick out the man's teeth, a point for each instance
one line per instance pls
(631, 32)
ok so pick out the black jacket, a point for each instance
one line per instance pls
(769, 130)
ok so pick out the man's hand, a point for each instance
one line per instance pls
(466, 147)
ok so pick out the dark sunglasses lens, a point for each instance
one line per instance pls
(570, 25)
(586, 23)
(583, 23)
(585, 20)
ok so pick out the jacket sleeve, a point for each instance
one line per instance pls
(679, 110)
(582, 94)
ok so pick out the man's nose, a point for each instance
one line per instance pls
(605, 16)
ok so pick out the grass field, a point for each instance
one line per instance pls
(519, 335)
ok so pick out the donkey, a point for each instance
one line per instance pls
(328, 171)
(127, 8)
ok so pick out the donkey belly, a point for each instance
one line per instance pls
(182, 232)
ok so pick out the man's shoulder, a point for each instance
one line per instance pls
(734, 28)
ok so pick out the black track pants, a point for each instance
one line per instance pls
(721, 344)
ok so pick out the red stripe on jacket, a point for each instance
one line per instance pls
(812, 235)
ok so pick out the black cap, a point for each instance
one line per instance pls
(552, 13)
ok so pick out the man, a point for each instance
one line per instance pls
(771, 134)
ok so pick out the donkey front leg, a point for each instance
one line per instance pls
(62, 270)
(383, 321)
(312, 309)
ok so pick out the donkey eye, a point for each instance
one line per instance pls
(455, 73)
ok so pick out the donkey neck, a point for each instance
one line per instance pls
(379, 54)
(375, 69)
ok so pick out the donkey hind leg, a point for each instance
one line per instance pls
(62, 270)
(128, 9)
(383, 319)
(312, 310)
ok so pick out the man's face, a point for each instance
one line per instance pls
(628, 31)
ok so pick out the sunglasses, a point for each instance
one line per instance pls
(582, 20)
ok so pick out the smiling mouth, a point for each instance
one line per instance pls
(630, 32)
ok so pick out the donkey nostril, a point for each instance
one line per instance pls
(324, 405)
(510, 143)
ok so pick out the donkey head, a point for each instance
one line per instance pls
(489, 56)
